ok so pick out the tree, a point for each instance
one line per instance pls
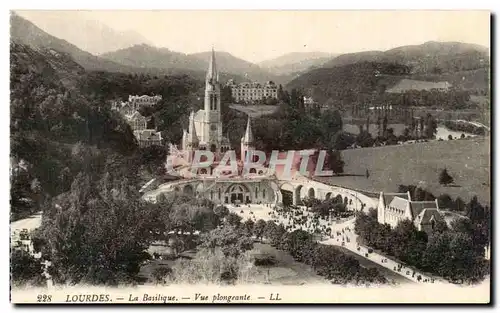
(233, 219)
(450, 137)
(430, 126)
(258, 229)
(340, 141)
(335, 162)
(105, 238)
(445, 178)
(445, 201)
(231, 240)
(25, 269)
(249, 225)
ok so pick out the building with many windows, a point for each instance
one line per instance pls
(138, 123)
(249, 92)
(144, 100)
(148, 137)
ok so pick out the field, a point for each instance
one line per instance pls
(468, 162)
(255, 110)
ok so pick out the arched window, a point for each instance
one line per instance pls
(263, 193)
(220, 194)
(256, 193)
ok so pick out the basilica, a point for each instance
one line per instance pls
(205, 133)
(205, 126)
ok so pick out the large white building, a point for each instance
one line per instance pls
(144, 100)
(249, 92)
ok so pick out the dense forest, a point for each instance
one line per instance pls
(62, 124)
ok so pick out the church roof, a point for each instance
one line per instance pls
(135, 115)
(248, 138)
(212, 74)
(419, 206)
(427, 215)
(398, 203)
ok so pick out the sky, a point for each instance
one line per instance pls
(260, 35)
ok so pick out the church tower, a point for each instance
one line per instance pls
(247, 144)
(192, 139)
(212, 124)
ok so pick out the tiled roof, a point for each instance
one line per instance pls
(418, 206)
(388, 197)
(427, 215)
(135, 115)
(398, 203)
(148, 135)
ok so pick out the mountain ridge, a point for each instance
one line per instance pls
(99, 37)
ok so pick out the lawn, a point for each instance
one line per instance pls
(468, 162)
(255, 110)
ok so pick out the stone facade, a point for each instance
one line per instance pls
(248, 92)
(205, 126)
(396, 207)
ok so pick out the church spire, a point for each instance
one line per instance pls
(212, 74)
(248, 134)
(192, 137)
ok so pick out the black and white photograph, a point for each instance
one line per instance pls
(215, 157)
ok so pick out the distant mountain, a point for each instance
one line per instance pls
(296, 62)
(228, 63)
(23, 31)
(145, 56)
(429, 58)
(70, 25)
(349, 81)
(348, 77)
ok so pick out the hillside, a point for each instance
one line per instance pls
(145, 56)
(23, 31)
(295, 62)
(464, 66)
(51, 65)
(468, 161)
(348, 82)
(228, 63)
(70, 25)
(428, 58)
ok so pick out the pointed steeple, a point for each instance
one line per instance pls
(212, 74)
(248, 138)
(192, 137)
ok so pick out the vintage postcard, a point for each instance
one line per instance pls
(250, 157)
